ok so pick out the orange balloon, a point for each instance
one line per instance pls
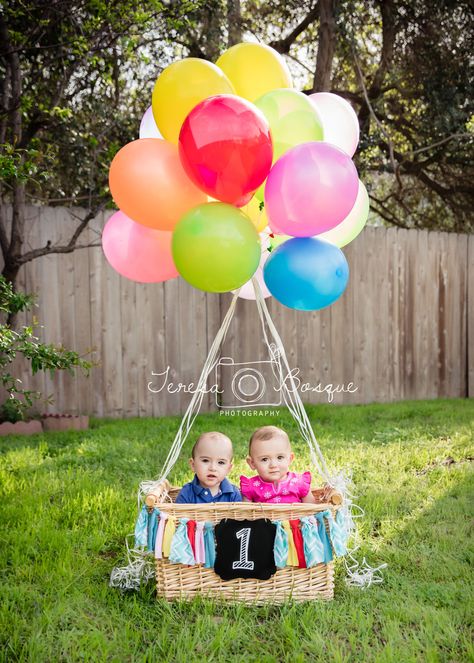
(149, 185)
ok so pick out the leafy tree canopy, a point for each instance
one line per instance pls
(76, 77)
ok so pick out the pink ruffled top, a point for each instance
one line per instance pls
(291, 489)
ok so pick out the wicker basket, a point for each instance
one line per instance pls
(177, 581)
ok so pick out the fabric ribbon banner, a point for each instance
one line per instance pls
(302, 543)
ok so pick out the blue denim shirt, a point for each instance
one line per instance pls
(193, 493)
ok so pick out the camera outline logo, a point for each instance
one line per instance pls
(248, 384)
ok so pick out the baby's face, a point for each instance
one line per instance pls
(271, 458)
(212, 462)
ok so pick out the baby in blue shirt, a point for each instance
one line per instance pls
(211, 461)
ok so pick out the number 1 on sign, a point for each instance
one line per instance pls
(243, 563)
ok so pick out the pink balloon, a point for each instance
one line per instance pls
(139, 253)
(340, 123)
(310, 189)
(148, 128)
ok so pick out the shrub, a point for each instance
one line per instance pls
(41, 356)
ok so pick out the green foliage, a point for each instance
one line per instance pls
(88, 69)
(41, 356)
(84, 88)
(68, 499)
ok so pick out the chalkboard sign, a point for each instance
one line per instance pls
(244, 549)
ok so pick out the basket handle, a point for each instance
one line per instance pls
(159, 493)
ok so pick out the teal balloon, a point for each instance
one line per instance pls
(216, 247)
(307, 274)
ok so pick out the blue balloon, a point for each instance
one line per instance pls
(306, 273)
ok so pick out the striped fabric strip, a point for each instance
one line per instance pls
(181, 551)
(313, 546)
(280, 547)
(141, 528)
(341, 521)
(338, 536)
(328, 556)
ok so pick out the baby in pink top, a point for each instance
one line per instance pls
(270, 456)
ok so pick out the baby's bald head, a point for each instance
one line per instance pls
(213, 443)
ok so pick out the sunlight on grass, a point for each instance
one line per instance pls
(69, 499)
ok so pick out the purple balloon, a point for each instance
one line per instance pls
(310, 189)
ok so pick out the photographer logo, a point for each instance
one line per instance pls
(244, 385)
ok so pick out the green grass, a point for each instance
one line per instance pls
(68, 499)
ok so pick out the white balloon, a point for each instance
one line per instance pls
(247, 291)
(354, 222)
(340, 123)
(148, 128)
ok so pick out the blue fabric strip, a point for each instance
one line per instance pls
(181, 551)
(141, 527)
(152, 528)
(338, 537)
(280, 547)
(328, 556)
(312, 545)
(209, 545)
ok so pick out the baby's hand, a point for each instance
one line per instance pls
(309, 498)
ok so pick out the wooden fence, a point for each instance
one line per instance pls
(403, 329)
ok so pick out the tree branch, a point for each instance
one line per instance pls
(70, 246)
(388, 41)
(283, 45)
(395, 166)
(48, 249)
(382, 211)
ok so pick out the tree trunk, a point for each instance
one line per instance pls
(234, 23)
(327, 45)
(11, 130)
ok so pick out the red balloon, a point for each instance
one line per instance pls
(226, 148)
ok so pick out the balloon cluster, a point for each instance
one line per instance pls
(236, 175)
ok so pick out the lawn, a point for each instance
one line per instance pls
(69, 499)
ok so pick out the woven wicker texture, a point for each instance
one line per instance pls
(179, 581)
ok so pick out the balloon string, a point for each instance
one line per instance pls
(194, 406)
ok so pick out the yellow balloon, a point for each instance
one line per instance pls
(254, 69)
(256, 215)
(180, 87)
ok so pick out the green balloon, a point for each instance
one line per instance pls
(216, 247)
(293, 120)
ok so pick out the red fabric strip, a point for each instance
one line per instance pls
(298, 539)
(191, 526)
